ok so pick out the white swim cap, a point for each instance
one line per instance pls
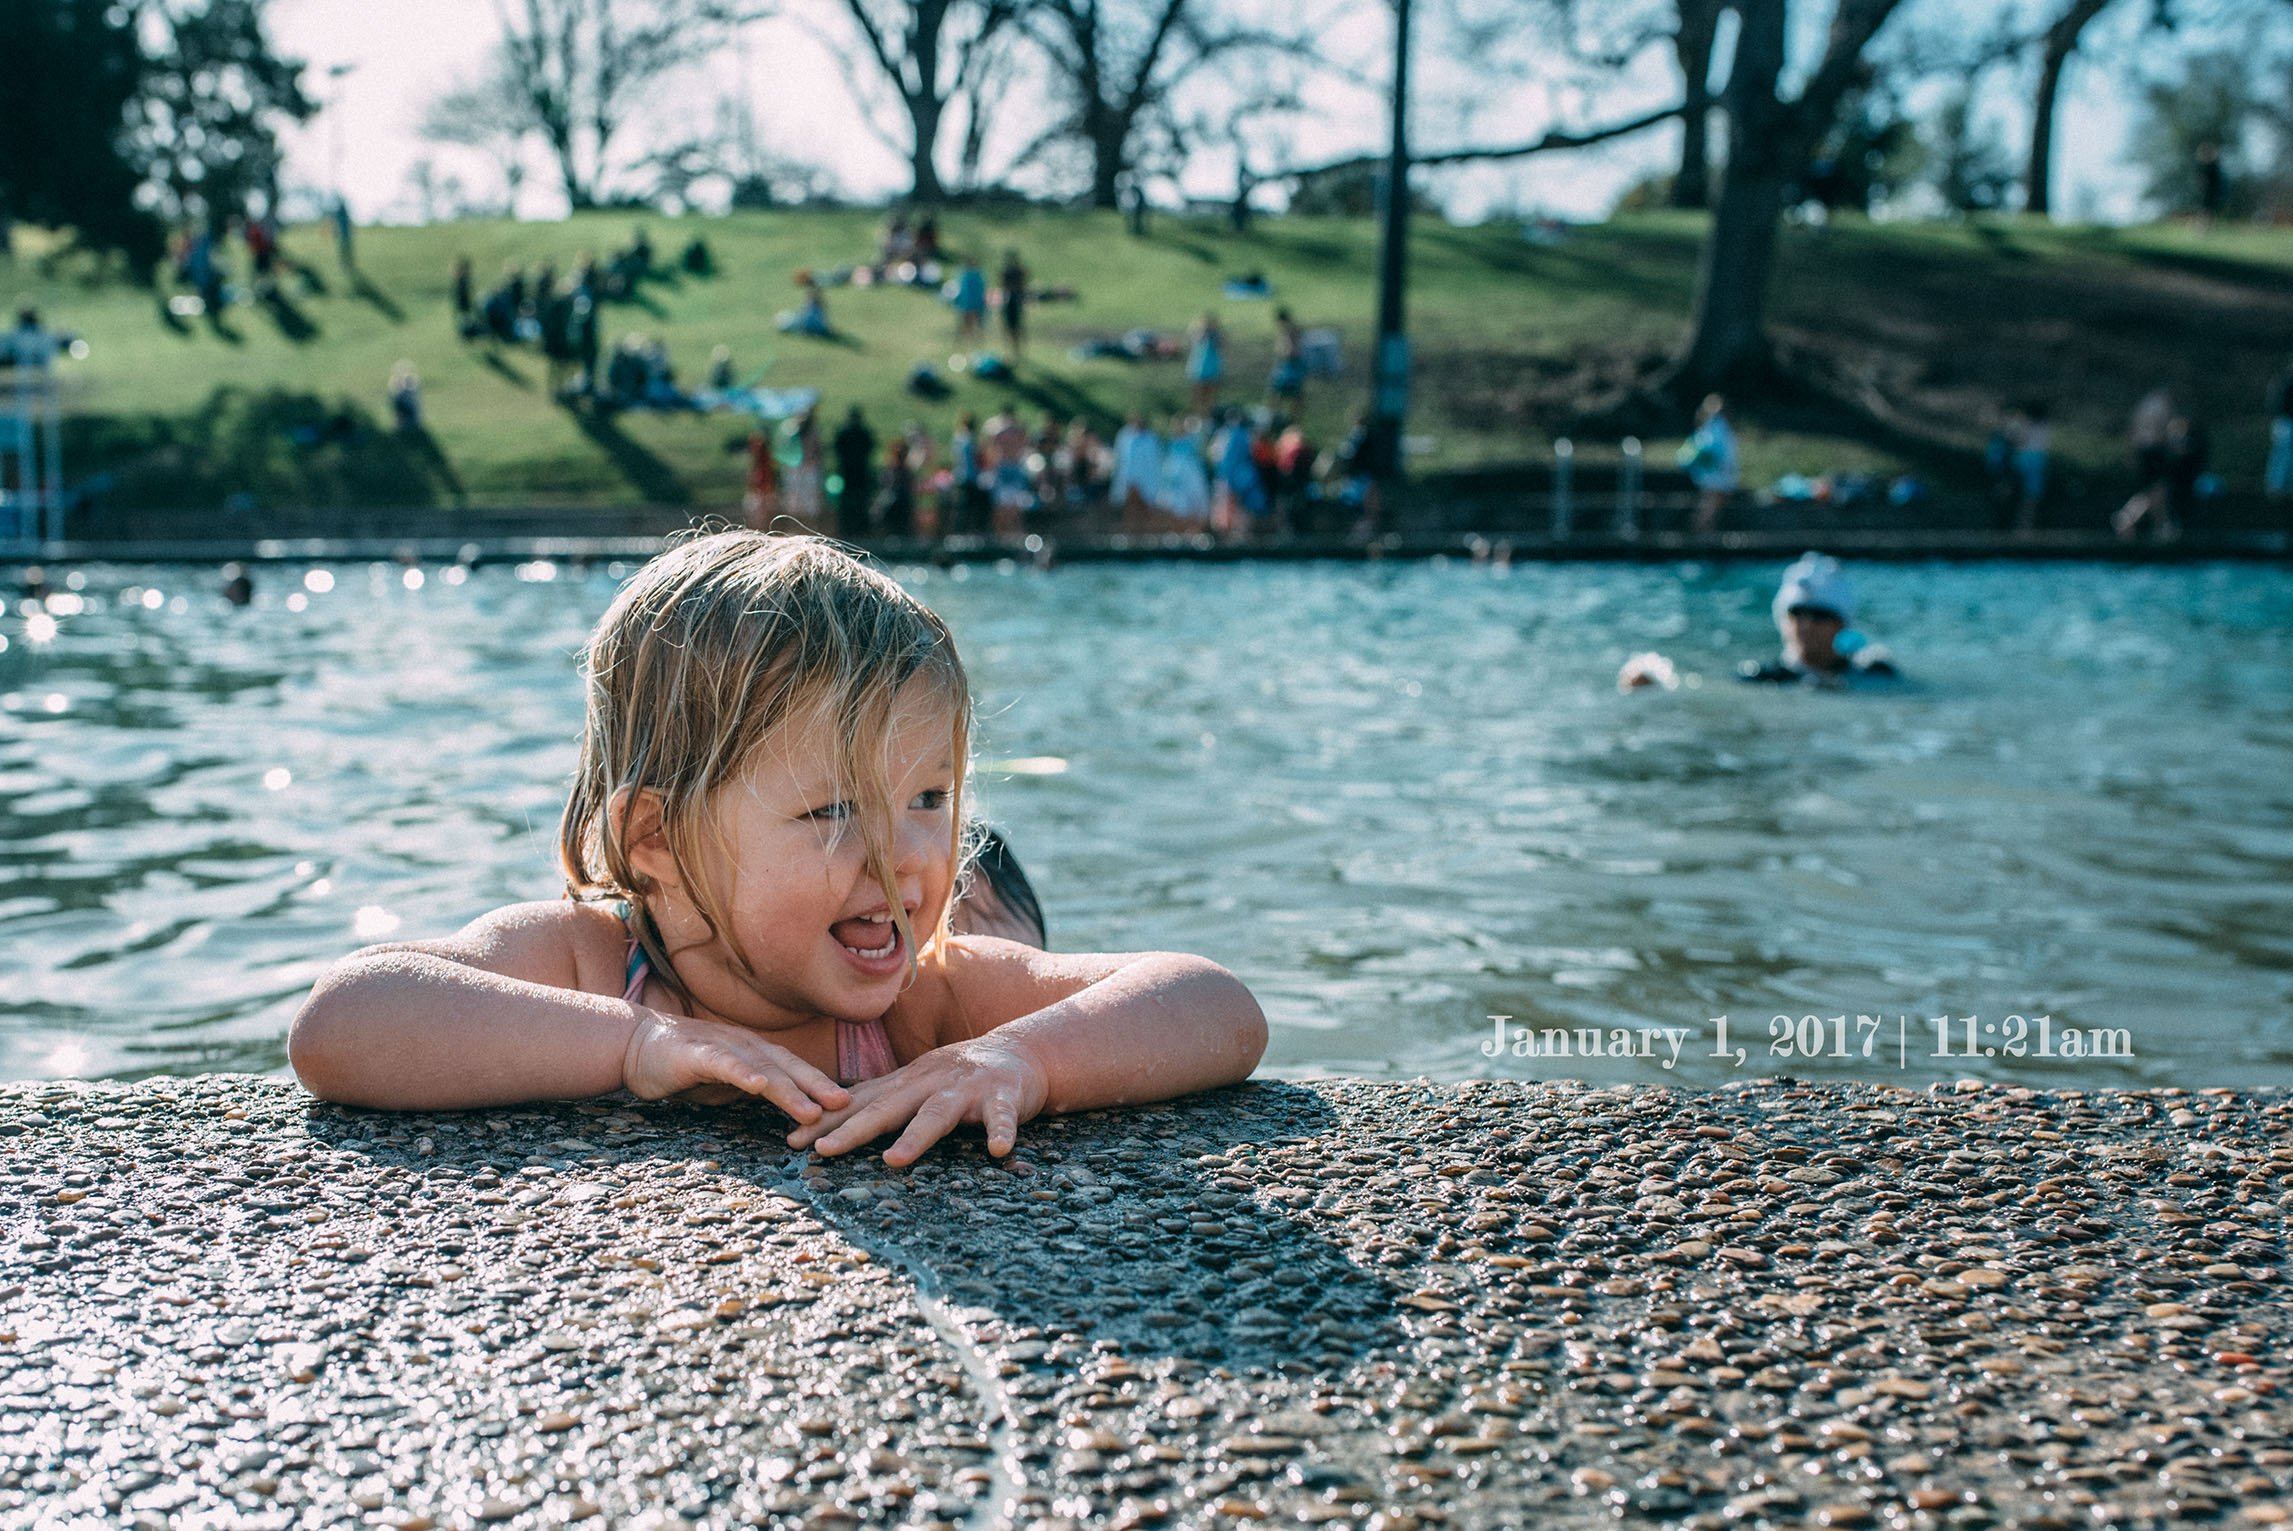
(1815, 580)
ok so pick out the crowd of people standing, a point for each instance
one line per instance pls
(1235, 476)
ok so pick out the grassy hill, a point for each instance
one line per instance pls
(1907, 336)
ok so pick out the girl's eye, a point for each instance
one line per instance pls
(832, 811)
(932, 801)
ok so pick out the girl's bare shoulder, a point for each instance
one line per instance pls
(558, 942)
(990, 981)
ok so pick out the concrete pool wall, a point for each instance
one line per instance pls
(1380, 1305)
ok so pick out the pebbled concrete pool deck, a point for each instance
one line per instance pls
(1381, 1305)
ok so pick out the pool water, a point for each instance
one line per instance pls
(1398, 800)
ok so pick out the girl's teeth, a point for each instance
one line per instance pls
(891, 939)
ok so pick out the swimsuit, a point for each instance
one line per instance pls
(863, 1048)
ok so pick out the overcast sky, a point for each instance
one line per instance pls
(404, 53)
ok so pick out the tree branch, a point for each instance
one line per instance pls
(1852, 28)
(1544, 145)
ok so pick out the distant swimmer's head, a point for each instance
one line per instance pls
(1813, 606)
(1816, 582)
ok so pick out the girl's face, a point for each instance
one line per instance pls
(794, 882)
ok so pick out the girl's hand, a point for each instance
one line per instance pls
(992, 1080)
(672, 1053)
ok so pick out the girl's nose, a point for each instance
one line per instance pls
(913, 850)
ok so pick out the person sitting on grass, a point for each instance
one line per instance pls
(764, 850)
(812, 318)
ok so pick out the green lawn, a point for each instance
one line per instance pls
(1912, 334)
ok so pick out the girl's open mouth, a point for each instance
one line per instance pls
(872, 942)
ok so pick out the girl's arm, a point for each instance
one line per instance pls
(1082, 1032)
(497, 1014)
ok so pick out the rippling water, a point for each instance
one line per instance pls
(1395, 799)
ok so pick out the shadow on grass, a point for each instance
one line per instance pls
(2264, 280)
(293, 323)
(1059, 396)
(362, 288)
(499, 365)
(843, 338)
(1315, 250)
(426, 450)
(636, 297)
(1184, 246)
(1997, 241)
(260, 448)
(652, 478)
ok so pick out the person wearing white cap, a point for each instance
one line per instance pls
(1814, 607)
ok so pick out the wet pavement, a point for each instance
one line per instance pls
(1377, 1305)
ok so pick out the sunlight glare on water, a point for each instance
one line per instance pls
(1395, 799)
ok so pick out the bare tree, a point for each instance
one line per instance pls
(492, 117)
(1259, 100)
(1550, 142)
(1769, 140)
(930, 53)
(2056, 44)
(578, 68)
(1601, 41)
(1118, 62)
(977, 89)
(1697, 29)
(733, 157)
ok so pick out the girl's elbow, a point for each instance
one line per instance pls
(1250, 1034)
(1247, 1019)
(312, 1054)
(318, 1039)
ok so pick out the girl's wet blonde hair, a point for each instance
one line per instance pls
(708, 653)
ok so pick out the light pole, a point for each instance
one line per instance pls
(335, 74)
(1390, 375)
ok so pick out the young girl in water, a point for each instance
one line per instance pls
(762, 848)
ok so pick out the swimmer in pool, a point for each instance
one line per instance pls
(765, 839)
(1813, 607)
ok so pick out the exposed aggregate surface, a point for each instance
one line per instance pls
(223, 1304)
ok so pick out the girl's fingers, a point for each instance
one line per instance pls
(1002, 1122)
(867, 1124)
(816, 1084)
(757, 1078)
(939, 1114)
(782, 1092)
(856, 1100)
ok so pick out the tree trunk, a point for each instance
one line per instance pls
(2039, 173)
(1108, 134)
(579, 195)
(1729, 342)
(2060, 42)
(1765, 150)
(924, 115)
(1692, 47)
